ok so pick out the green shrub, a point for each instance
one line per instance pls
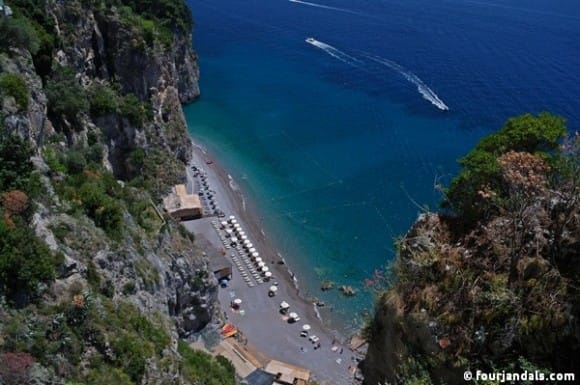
(104, 210)
(25, 261)
(480, 169)
(131, 354)
(103, 100)
(106, 374)
(75, 161)
(134, 110)
(65, 95)
(13, 85)
(18, 32)
(200, 367)
(15, 164)
(53, 161)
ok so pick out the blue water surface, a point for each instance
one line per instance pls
(339, 142)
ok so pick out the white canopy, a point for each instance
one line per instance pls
(306, 327)
(284, 305)
(274, 288)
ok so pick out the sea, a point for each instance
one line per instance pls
(342, 120)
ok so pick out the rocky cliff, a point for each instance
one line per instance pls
(491, 285)
(95, 90)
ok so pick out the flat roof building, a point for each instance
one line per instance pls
(181, 205)
(219, 265)
(287, 374)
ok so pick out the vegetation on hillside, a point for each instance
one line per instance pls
(87, 334)
(78, 315)
(495, 279)
(25, 261)
(14, 86)
(482, 188)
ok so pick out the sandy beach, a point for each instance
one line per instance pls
(258, 318)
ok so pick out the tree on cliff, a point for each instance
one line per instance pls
(479, 190)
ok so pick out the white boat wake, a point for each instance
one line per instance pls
(334, 52)
(424, 90)
(327, 7)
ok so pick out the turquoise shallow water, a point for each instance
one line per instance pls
(335, 141)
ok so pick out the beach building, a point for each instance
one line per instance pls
(286, 374)
(181, 205)
(219, 265)
(260, 377)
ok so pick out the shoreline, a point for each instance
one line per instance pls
(251, 219)
(281, 336)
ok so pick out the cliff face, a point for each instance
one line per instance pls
(101, 46)
(103, 49)
(101, 171)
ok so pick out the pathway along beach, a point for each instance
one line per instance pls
(259, 319)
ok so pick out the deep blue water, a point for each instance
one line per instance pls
(334, 142)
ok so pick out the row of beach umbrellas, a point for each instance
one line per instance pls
(237, 235)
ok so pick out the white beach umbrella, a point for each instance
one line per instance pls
(242, 237)
(247, 242)
(237, 301)
(265, 269)
(231, 218)
(306, 327)
(284, 305)
(249, 245)
(273, 288)
(224, 224)
(255, 254)
(252, 250)
(233, 222)
(242, 233)
(237, 226)
(261, 264)
(229, 231)
(268, 274)
(293, 315)
(258, 259)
